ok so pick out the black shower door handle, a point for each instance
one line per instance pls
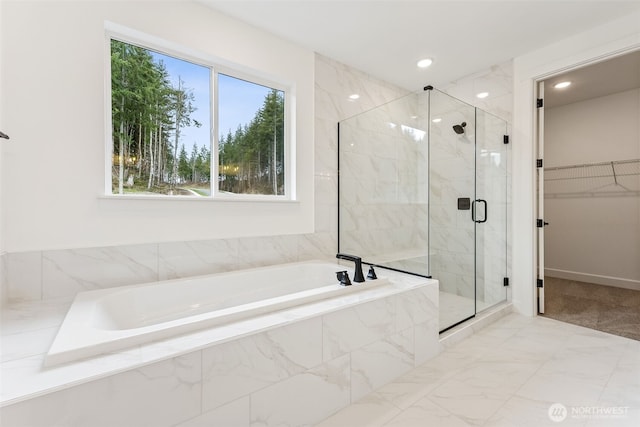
(473, 211)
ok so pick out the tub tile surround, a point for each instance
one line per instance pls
(67, 272)
(277, 362)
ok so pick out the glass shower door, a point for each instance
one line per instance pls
(491, 220)
(423, 189)
(451, 198)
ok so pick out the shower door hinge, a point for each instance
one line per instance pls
(540, 283)
(539, 163)
(505, 281)
(505, 139)
(539, 103)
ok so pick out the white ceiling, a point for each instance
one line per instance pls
(603, 78)
(386, 38)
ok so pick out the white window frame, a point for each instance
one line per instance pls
(217, 66)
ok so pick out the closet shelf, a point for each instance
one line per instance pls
(620, 177)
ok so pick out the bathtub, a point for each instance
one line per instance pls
(114, 319)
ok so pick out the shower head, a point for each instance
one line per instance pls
(459, 129)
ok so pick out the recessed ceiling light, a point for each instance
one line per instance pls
(482, 95)
(437, 120)
(354, 96)
(562, 85)
(424, 63)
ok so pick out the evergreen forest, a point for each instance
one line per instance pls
(149, 116)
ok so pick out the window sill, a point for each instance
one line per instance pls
(220, 199)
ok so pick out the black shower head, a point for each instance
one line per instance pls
(459, 129)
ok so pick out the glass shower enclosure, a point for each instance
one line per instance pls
(423, 189)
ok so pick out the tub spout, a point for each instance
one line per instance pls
(357, 275)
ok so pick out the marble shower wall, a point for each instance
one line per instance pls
(384, 181)
(471, 165)
(46, 274)
(452, 177)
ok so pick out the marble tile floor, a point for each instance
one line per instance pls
(455, 308)
(519, 371)
(605, 308)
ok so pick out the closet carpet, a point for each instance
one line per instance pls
(604, 308)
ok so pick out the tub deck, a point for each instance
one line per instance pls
(114, 319)
(28, 330)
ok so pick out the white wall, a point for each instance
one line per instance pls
(3, 286)
(42, 274)
(53, 57)
(593, 235)
(614, 37)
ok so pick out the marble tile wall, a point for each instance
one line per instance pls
(384, 180)
(46, 274)
(296, 374)
(452, 175)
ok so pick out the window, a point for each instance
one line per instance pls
(179, 127)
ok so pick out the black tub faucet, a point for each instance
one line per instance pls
(357, 275)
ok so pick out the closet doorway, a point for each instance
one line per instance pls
(588, 212)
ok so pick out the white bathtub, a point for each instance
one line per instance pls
(114, 319)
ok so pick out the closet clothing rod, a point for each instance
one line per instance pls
(584, 165)
(615, 169)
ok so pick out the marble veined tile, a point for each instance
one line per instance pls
(372, 410)
(304, 399)
(267, 250)
(569, 389)
(405, 390)
(234, 414)
(623, 417)
(164, 393)
(426, 413)
(26, 344)
(426, 341)
(67, 272)
(352, 328)
(519, 411)
(380, 362)
(31, 316)
(181, 259)
(239, 367)
(23, 276)
(417, 306)
(317, 245)
(474, 403)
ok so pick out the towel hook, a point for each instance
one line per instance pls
(4, 135)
